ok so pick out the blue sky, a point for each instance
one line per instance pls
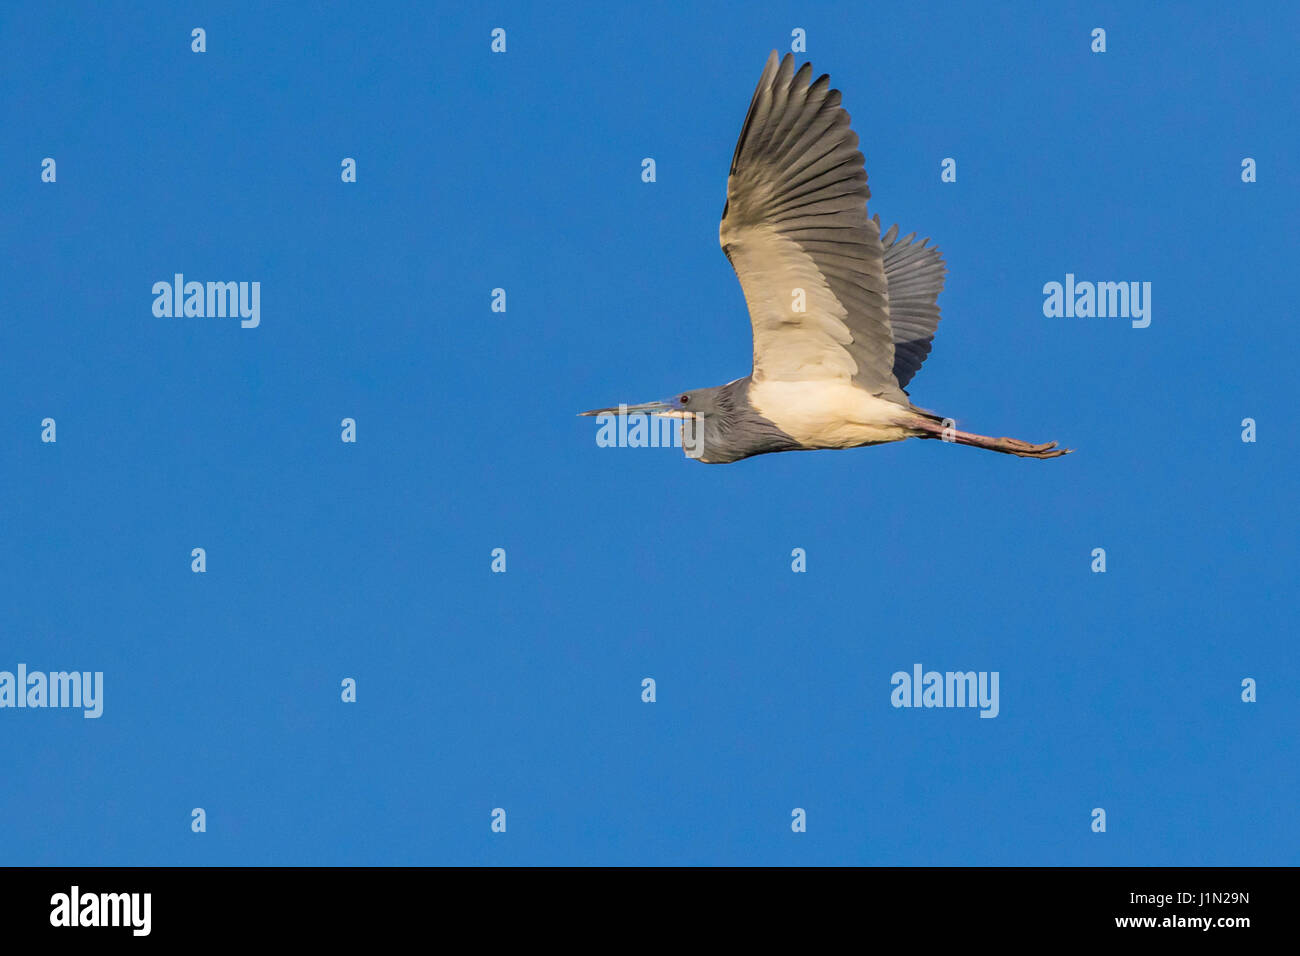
(522, 690)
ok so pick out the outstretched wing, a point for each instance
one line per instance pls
(796, 219)
(915, 273)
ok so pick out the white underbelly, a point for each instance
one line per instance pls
(829, 413)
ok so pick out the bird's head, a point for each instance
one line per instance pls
(719, 424)
(685, 405)
(697, 404)
(699, 411)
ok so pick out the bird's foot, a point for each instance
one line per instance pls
(1007, 446)
(1024, 449)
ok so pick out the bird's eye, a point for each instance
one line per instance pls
(685, 399)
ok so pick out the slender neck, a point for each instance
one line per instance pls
(734, 430)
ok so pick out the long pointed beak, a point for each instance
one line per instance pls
(648, 408)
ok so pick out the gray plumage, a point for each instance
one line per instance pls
(842, 317)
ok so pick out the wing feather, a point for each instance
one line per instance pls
(796, 218)
(915, 271)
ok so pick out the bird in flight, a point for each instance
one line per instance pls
(842, 316)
